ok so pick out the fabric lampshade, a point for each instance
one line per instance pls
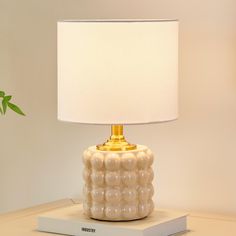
(118, 71)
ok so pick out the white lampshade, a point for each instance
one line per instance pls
(118, 71)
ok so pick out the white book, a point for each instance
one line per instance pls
(71, 221)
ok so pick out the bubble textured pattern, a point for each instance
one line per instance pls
(118, 185)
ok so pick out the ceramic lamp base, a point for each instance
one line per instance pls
(118, 184)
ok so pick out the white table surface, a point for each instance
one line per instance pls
(23, 222)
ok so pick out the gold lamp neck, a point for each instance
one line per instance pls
(117, 141)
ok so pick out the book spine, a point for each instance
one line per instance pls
(84, 229)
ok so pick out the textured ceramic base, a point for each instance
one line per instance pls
(118, 184)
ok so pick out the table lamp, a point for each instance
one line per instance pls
(117, 72)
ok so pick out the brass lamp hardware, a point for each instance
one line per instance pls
(117, 141)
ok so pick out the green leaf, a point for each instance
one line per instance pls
(2, 94)
(1, 111)
(4, 106)
(5, 101)
(7, 98)
(15, 108)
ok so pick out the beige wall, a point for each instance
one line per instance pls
(40, 157)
